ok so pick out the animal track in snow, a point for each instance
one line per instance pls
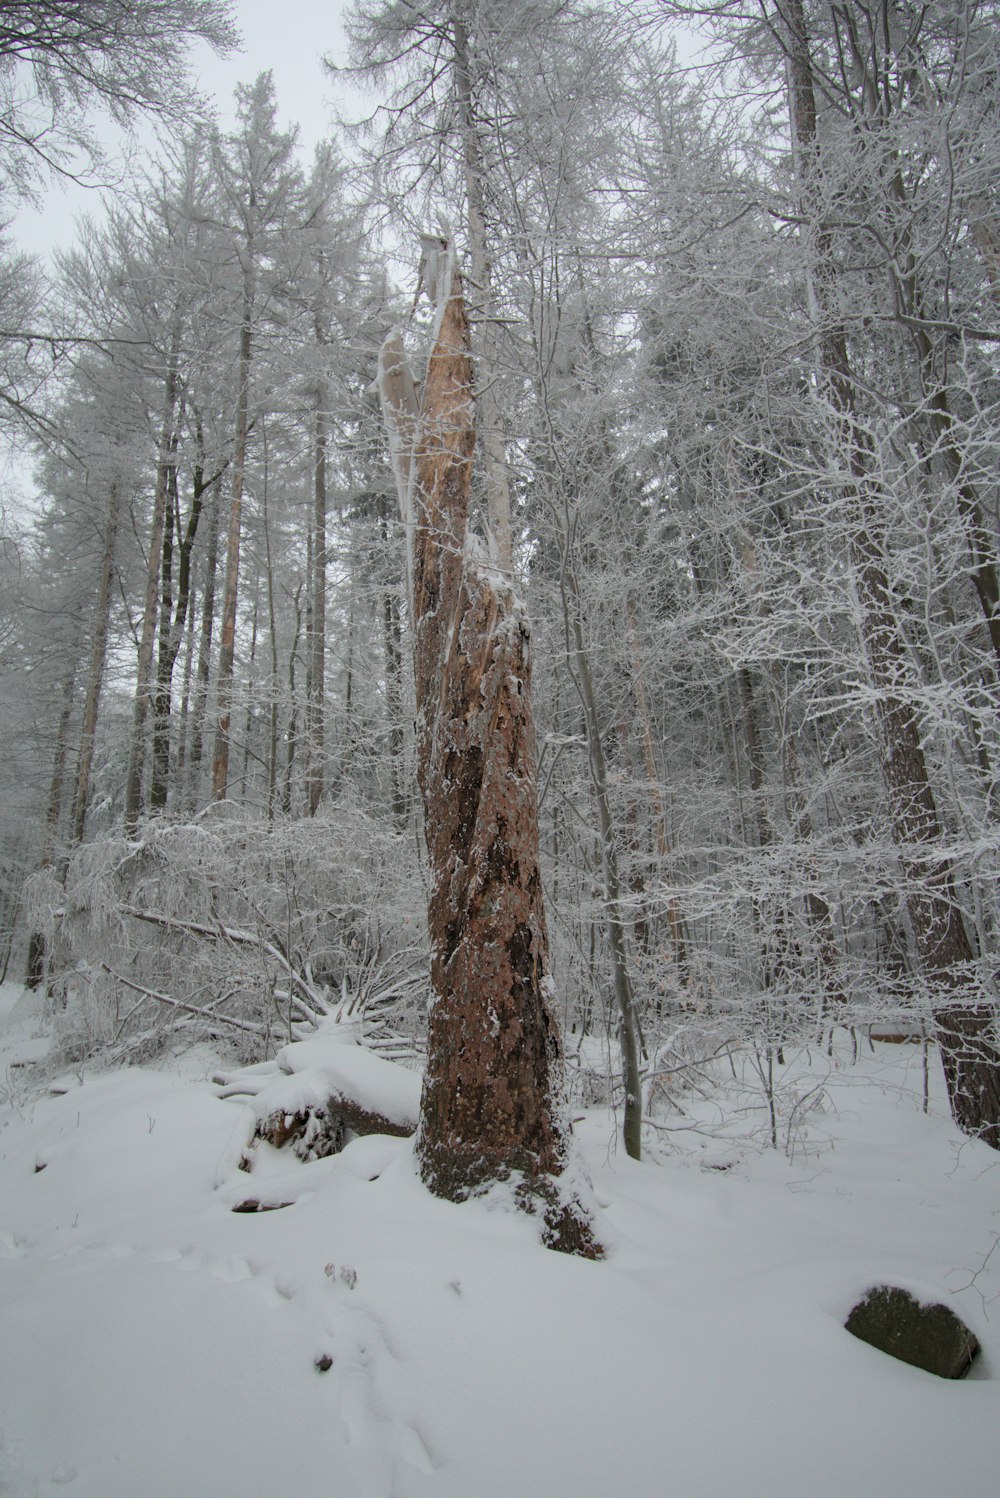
(414, 1449)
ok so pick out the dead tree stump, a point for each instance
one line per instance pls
(492, 1106)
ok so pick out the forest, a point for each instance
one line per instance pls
(723, 287)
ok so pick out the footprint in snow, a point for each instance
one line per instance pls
(231, 1271)
(414, 1450)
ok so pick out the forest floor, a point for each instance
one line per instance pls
(155, 1344)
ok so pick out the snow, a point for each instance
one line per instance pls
(315, 1070)
(156, 1343)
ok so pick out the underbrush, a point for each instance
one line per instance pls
(227, 928)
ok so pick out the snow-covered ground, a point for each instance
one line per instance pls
(155, 1344)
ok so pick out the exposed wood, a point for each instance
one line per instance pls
(315, 1133)
(491, 1106)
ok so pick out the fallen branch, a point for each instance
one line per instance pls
(163, 998)
(241, 939)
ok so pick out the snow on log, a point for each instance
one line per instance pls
(327, 1093)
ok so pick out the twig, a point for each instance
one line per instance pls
(162, 998)
(242, 939)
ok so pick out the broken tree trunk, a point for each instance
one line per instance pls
(492, 1106)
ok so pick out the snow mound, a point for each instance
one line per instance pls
(372, 1341)
(317, 1070)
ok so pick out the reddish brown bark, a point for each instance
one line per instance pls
(491, 1105)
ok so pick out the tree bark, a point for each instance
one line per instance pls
(95, 674)
(393, 648)
(629, 1030)
(292, 725)
(964, 1023)
(203, 669)
(272, 632)
(173, 614)
(317, 631)
(35, 972)
(495, 478)
(144, 676)
(645, 724)
(227, 638)
(491, 1107)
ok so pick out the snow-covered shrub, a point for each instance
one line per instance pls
(236, 928)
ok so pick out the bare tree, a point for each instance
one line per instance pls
(965, 1025)
(61, 58)
(260, 184)
(491, 1104)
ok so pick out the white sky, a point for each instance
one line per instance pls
(287, 36)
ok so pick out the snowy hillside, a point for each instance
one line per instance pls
(156, 1343)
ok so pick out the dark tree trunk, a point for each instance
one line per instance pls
(95, 675)
(159, 756)
(227, 638)
(172, 620)
(393, 647)
(203, 669)
(37, 955)
(315, 703)
(491, 1105)
(292, 726)
(965, 1024)
(144, 675)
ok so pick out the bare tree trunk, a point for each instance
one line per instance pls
(981, 541)
(674, 917)
(986, 238)
(317, 634)
(818, 911)
(10, 905)
(53, 811)
(172, 619)
(160, 742)
(144, 676)
(35, 973)
(349, 737)
(251, 687)
(629, 1027)
(292, 726)
(204, 667)
(491, 441)
(393, 647)
(491, 1104)
(964, 1024)
(95, 674)
(272, 725)
(187, 676)
(227, 639)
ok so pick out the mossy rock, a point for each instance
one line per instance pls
(927, 1336)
